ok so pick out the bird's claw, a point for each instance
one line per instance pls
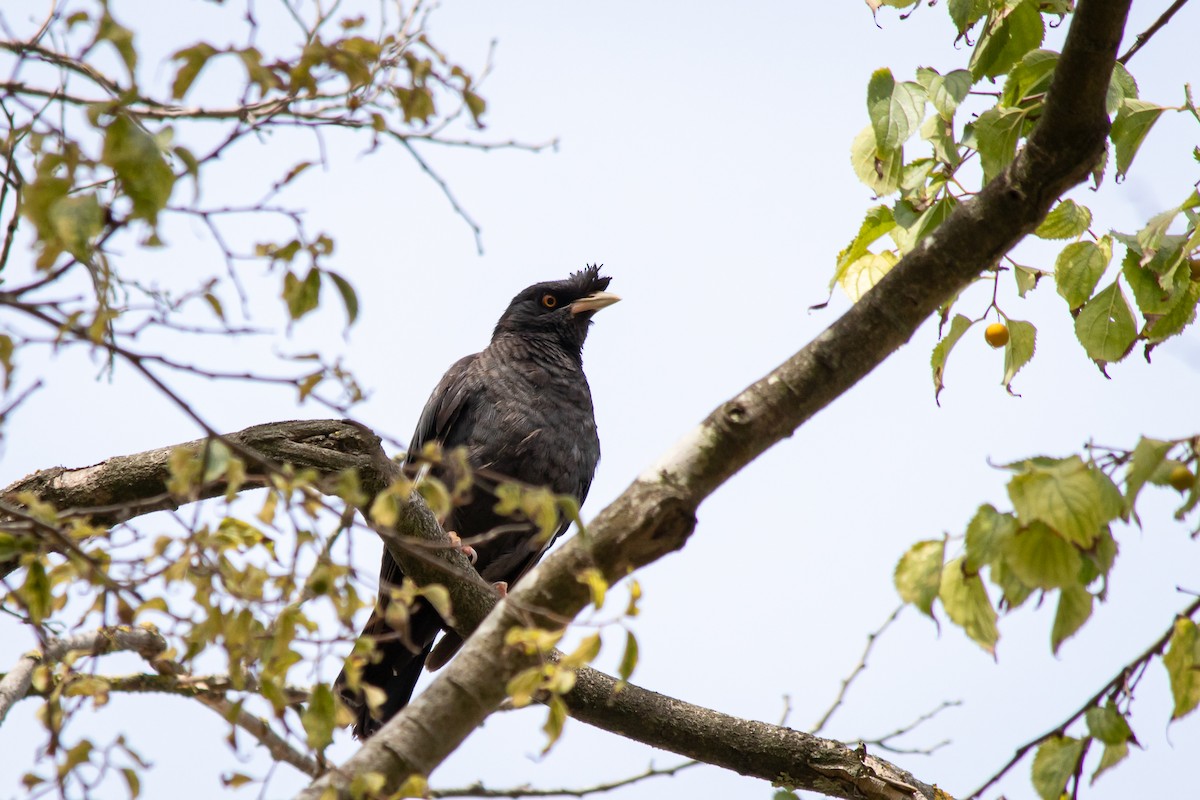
(465, 549)
(501, 588)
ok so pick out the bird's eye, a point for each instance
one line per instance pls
(549, 300)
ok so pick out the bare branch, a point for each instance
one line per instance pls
(858, 669)
(1145, 35)
(479, 790)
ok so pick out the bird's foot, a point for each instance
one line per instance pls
(501, 588)
(465, 549)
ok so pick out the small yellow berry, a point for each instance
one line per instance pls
(996, 334)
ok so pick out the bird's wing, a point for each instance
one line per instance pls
(450, 398)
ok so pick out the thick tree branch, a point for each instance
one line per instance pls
(656, 514)
(145, 641)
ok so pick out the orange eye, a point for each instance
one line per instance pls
(549, 300)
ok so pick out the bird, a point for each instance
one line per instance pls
(522, 409)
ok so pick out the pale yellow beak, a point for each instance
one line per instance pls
(593, 302)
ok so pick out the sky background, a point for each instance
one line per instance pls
(703, 158)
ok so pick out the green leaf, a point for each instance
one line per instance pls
(895, 109)
(77, 220)
(1129, 129)
(1054, 764)
(1113, 754)
(1181, 314)
(866, 271)
(319, 717)
(1066, 220)
(1030, 76)
(1182, 661)
(945, 91)
(997, 132)
(1079, 268)
(137, 161)
(940, 134)
(629, 657)
(556, 719)
(1064, 495)
(966, 13)
(349, 297)
(878, 169)
(1074, 608)
(912, 227)
(1108, 724)
(941, 351)
(918, 575)
(1146, 458)
(194, 58)
(1043, 559)
(302, 296)
(1122, 86)
(1011, 31)
(1022, 341)
(989, 534)
(966, 602)
(1015, 592)
(1105, 327)
(876, 224)
(35, 592)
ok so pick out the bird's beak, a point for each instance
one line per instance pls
(593, 302)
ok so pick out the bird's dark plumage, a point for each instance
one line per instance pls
(522, 408)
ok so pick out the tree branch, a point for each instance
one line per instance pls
(15, 685)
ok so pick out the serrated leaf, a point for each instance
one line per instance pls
(1134, 120)
(988, 536)
(1054, 764)
(1182, 661)
(1178, 316)
(1105, 327)
(1079, 268)
(1043, 559)
(1066, 220)
(966, 602)
(1011, 31)
(866, 271)
(1064, 495)
(1022, 342)
(947, 91)
(997, 132)
(1113, 754)
(895, 109)
(966, 13)
(876, 224)
(918, 575)
(1121, 86)
(1108, 724)
(1074, 609)
(878, 169)
(912, 227)
(1029, 76)
(941, 351)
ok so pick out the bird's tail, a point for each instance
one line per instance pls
(394, 668)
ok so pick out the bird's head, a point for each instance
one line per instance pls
(559, 309)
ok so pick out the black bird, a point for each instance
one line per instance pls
(522, 408)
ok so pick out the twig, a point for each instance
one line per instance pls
(1118, 681)
(858, 669)
(1145, 35)
(479, 790)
